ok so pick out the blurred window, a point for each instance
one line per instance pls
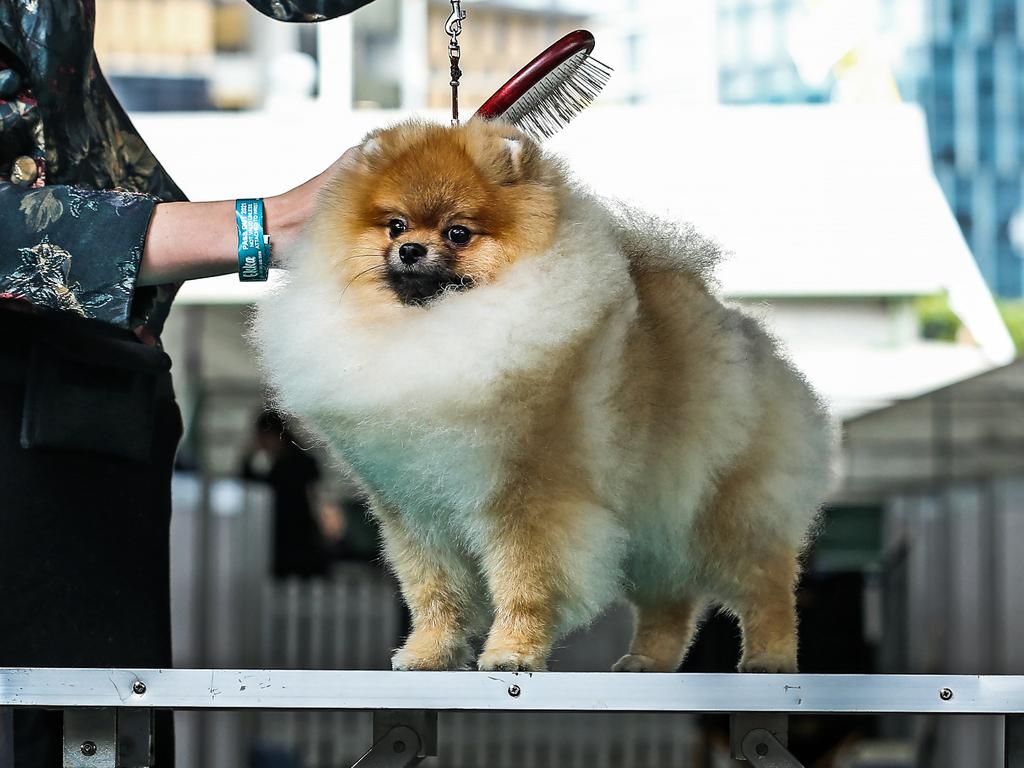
(986, 110)
(958, 17)
(764, 40)
(1019, 101)
(633, 44)
(1004, 17)
(730, 47)
(1008, 201)
(942, 85)
(725, 86)
(742, 87)
(963, 203)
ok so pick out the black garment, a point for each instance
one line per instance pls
(306, 10)
(298, 544)
(84, 532)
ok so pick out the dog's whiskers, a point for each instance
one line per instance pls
(358, 275)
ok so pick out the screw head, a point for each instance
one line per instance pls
(139, 687)
(399, 747)
(88, 748)
(514, 690)
(946, 694)
(761, 749)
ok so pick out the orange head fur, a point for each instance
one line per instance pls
(428, 208)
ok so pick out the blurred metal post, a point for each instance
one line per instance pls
(1014, 750)
(413, 35)
(6, 737)
(334, 60)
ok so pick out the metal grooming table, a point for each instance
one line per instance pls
(108, 712)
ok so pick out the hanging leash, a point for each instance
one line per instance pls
(453, 28)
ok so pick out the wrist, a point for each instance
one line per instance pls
(284, 216)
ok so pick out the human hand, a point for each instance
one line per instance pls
(288, 212)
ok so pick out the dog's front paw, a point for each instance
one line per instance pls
(634, 662)
(409, 659)
(508, 660)
(769, 664)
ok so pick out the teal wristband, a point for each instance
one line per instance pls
(253, 243)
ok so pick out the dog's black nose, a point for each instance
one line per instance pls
(410, 253)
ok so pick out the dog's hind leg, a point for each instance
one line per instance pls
(662, 635)
(749, 541)
(767, 614)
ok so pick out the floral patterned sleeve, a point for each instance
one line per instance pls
(77, 181)
(73, 249)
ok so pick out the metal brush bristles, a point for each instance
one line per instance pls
(559, 96)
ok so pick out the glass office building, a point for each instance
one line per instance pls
(962, 60)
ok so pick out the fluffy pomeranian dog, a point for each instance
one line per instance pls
(546, 405)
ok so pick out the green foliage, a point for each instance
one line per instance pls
(937, 320)
(1012, 311)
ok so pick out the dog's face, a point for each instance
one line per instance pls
(426, 209)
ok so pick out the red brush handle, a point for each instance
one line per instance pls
(527, 77)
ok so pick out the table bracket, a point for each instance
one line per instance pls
(761, 739)
(401, 740)
(108, 738)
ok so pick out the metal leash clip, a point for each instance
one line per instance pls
(453, 28)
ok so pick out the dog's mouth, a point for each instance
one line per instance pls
(419, 287)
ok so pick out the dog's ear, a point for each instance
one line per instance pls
(372, 145)
(499, 150)
(515, 154)
(518, 158)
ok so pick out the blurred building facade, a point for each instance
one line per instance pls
(400, 51)
(186, 55)
(960, 59)
(158, 54)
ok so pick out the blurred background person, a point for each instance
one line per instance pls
(300, 522)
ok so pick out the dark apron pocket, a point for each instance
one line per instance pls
(100, 400)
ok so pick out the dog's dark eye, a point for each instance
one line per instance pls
(396, 227)
(458, 235)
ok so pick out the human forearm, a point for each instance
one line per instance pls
(192, 240)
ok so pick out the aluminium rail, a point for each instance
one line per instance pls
(108, 712)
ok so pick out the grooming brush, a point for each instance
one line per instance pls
(542, 97)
